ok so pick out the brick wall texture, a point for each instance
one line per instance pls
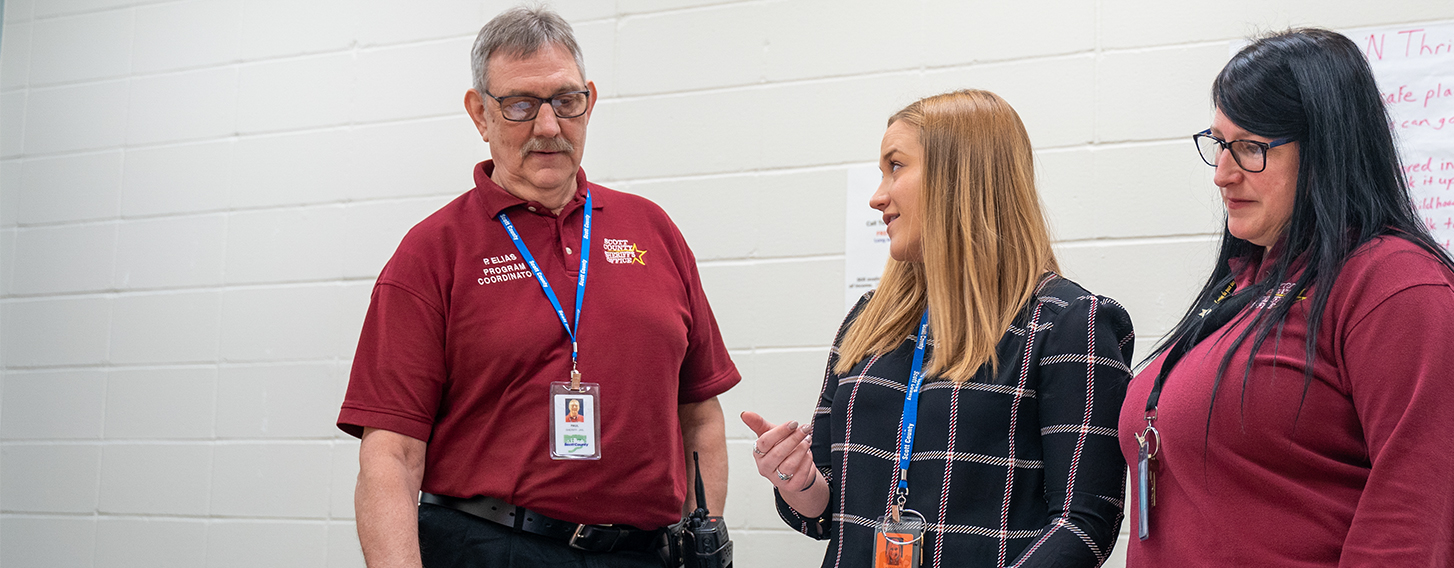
(196, 196)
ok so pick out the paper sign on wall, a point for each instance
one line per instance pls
(865, 238)
(1414, 67)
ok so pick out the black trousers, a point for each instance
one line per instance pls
(453, 539)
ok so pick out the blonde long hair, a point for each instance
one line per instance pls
(985, 242)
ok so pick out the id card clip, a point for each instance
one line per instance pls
(899, 543)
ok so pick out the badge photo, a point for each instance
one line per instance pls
(575, 421)
(899, 544)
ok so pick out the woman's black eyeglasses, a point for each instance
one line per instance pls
(1251, 155)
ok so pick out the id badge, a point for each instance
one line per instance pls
(1143, 480)
(575, 421)
(899, 544)
(1148, 444)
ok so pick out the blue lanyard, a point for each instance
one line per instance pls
(911, 407)
(545, 285)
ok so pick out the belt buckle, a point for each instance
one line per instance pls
(575, 536)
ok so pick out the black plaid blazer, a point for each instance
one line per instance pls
(1018, 467)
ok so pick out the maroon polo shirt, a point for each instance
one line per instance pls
(1353, 469)
(460, 345)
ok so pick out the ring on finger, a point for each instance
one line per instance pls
(783, 476)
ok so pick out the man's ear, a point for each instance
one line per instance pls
(474, 104)
(591, 100)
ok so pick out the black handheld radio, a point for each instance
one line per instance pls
(706, 542)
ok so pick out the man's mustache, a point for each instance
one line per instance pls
(546, 145)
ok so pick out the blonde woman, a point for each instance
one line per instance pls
(1011, 435)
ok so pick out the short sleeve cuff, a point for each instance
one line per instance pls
(707, 389)
(353, 420)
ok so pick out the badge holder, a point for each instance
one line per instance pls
(1148, 444)
(899, 543)
(575, 420)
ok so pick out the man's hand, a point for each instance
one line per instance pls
(386, 500)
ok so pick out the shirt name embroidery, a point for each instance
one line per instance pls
(1271, 300)
(504, 268)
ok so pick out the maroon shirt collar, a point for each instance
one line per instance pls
(496, 199)
(1254, 269)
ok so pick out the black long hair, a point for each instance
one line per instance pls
(1314, 86)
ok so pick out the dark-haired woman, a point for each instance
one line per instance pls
(1302, 411)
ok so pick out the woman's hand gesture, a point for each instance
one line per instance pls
(782, 453)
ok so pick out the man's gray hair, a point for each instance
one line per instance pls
(520, 32)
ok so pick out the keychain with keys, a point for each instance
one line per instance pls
(1148, 441)
(1148, 444)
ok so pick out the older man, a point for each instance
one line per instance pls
(532, 290)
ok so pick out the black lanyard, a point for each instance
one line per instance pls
(1182, 346)
(1148, 441)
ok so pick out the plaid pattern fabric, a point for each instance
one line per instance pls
(1014, 468)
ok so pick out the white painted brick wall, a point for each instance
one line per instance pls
(167, 180)
(14, 55)
(53, 405)
(75, 187)
(190, 105)
(170, 252)
(208, 28)
(264, 245)
(956, 33)
(29, 540)
(1053, 95)
(156, 479)
(50, 477)
(280, 28)
(71, 258)
(311, 91)
(174, 403)
(412, 80)
(385, 22)
(717, 46)
(841, 45)
(80, 48)
(69, 118)
(48, 9)
(196, 195)
(57, 332)
(290, 544)
(277, 401)
(150, 542)
(166, 327)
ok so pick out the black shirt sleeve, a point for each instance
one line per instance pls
(1084, 366)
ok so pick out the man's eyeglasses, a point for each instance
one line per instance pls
(1251, 155)
(524, 108)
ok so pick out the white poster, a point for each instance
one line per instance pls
(1414, 66)
(865, 238)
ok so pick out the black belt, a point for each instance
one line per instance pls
(593, 538)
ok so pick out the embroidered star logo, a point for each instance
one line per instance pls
(623, 251)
